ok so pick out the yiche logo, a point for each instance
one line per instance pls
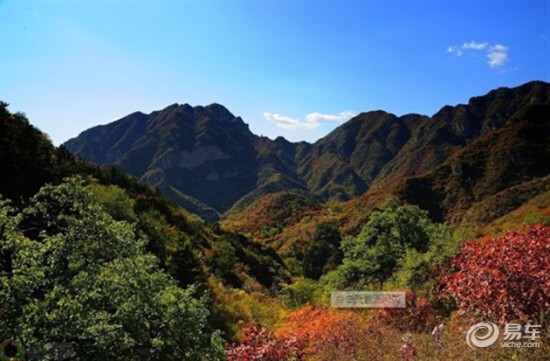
(488, 337)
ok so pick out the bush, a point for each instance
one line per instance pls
(260, 345)
(505, 278)
(298, 293)
(326, 335)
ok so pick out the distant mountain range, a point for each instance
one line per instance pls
(208, 161)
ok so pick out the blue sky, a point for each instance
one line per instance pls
(291, 68)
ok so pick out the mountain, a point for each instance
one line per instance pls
(377, 148)
(347, 161)
(204, 158)
(497, 181)
(181, 241)
(491, 176)
(180, 147)
(209, 162)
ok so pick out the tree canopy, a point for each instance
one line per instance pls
(71, 273)
(387, 242)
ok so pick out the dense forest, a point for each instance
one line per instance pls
(95, 265)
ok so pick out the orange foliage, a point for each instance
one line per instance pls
(321, 330)
(258, 344)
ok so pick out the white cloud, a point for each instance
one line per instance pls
(474, 45)
(282, 120)
(496, 54)
(319, 117)
(311, 120)
(454, 50)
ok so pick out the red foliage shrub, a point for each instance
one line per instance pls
(258, 344)
(419, 315)
(321, 331)
(506, 278)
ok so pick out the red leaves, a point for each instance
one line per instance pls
(506, 278)
(258, 344)
(311, 331)
(320, 330)
(419, 315)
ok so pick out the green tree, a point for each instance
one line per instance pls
(298, 293)
(395, 236)
(71, 273)
(116, 202)
(420, 271)
(223, 262)
(172, 246)
(324, 254)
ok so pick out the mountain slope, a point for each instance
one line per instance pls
(504, 172)
(377, 148)
(503, 168)
(181, 241)
(346, 162)
(188, 249)
(204, 158)
(208, 161)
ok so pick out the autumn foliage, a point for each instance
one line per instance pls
(505, 278)
(322, 332)
(419, 315)
(259, 344)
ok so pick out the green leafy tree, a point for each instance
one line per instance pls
(324, 254)
(419, 271)
(298, 293)
(223, 262)
(172, 246)
(116, 202)
(71, 273)
(397, 236)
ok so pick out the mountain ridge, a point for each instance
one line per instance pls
(209, 161)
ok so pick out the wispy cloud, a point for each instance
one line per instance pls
(315, 118)
(311, 120)
(455, 50)
(497, 54)
(474, 45)
(282, 120)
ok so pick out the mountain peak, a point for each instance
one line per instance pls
(219, 111)
(204, 156)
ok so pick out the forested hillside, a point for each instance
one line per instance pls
(93, 245)
(95, 264)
